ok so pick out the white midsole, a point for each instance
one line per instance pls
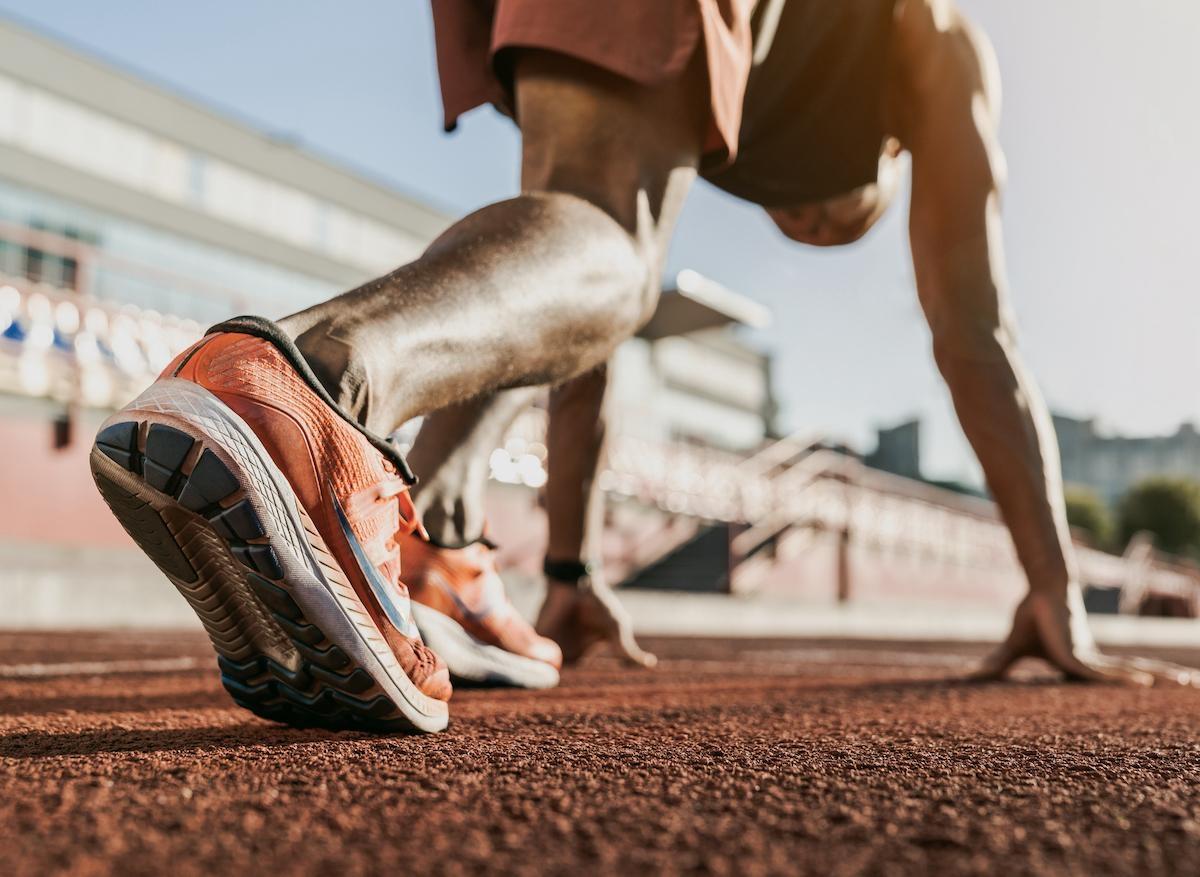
(336, 610)
(470, 659)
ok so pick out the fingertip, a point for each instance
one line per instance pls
(1182, 678)
(635, 656)
(992, 668)
(1141, 679)
(1188, 677)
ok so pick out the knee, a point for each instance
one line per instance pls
(616, 269)
(640, 288)
(645, 285)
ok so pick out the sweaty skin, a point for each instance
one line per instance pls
(529, 291)
(943, 109)
(535, 289)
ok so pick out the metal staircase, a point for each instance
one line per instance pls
(763, 515)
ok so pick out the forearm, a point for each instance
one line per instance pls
(451, 457)
(580, 608)
(958, 260)
(576, 441)
(1009, 428)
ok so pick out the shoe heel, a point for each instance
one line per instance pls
(193, 512)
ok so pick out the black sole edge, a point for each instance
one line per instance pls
(206, 545)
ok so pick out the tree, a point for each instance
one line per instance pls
(1087, 512)
(1168, 508)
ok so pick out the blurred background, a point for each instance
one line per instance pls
(780, 433)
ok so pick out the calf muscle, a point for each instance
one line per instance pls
(534, 289)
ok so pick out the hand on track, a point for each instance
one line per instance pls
(1056, 630)
(577, 618)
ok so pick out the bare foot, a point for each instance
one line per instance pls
(1055, 629)
(578, 618)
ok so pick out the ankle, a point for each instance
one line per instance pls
(448, 524)
(339, 366)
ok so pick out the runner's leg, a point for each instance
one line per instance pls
(535, 289)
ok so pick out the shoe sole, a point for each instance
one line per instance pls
(194, 487)
(470, 660)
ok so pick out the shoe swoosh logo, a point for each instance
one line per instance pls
(441, 582)
(395, 606)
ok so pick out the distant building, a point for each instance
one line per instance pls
(114, 187)
(898, 450)
(131, 217)
(691, 376)
(1111, 464)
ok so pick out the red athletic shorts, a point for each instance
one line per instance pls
(646, 41)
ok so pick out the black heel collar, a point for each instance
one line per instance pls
(263, 328)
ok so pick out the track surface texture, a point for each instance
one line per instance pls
(120, 752)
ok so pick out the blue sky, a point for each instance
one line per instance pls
(1099, 128)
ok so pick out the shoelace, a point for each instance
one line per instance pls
(399, 484)
(410, 522)
(492, 598)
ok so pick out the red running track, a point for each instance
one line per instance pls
(120, 753)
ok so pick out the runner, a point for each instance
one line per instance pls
(836, 92)
(254, 472)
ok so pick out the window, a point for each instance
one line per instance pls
(79, 137)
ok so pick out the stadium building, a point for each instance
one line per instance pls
(132, 216)
(1111, 464)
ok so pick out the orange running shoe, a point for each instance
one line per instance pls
(462, 610)
(277, 516)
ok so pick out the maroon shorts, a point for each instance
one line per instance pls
(645, 41)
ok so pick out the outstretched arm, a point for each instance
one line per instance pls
(959, 265)
(580, 608)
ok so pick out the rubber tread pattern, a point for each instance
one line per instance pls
(324, 688)
(148, 528)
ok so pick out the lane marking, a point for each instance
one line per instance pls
(871, 657)
(97, 668)
(763, 658)
(832, 657)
